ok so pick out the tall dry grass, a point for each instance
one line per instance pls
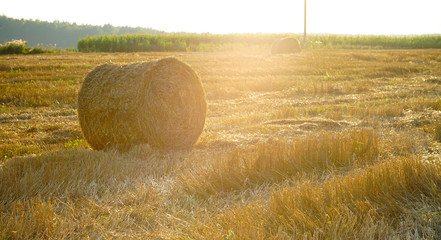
(277, 160)
(395, 199)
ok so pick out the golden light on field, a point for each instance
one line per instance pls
(341, 140)
(326, 144)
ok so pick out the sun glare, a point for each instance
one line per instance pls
(231, 16)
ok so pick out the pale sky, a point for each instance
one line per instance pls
(237, 16)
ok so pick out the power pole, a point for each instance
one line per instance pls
(304, 26)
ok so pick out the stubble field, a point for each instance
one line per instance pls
(325, 144)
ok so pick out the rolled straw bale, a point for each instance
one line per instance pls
(161, 103)
(286, 45)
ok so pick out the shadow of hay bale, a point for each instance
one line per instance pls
(286, 45)
(76, 173)
(161, 103)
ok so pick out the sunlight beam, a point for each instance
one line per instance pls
(304, 25)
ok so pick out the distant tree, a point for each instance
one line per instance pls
(58, 33)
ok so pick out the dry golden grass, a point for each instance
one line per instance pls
(324, 144)
(398, 198)
(280, 160)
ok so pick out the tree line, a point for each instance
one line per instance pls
(108, 38)
(58, 34)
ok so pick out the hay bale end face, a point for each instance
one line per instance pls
(286, 45)
(161, 103)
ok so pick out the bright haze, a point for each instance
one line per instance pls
(242, 16)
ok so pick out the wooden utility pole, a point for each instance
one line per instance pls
(304, 26)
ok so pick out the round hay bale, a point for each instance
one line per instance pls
(286, 45)
(161, 103)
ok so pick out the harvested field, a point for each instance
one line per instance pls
(322, 144)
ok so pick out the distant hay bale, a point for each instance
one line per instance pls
(286, 45)
(161, 103)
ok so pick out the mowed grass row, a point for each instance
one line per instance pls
(280, 160)
(397, 199)
(55, 194)
(83, 193)
(319, 145)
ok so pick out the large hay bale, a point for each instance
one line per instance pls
(161, 103)
(286, 45)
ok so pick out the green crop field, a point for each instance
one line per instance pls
(228, 42)
(324, 144)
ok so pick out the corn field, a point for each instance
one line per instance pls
(227, 42)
